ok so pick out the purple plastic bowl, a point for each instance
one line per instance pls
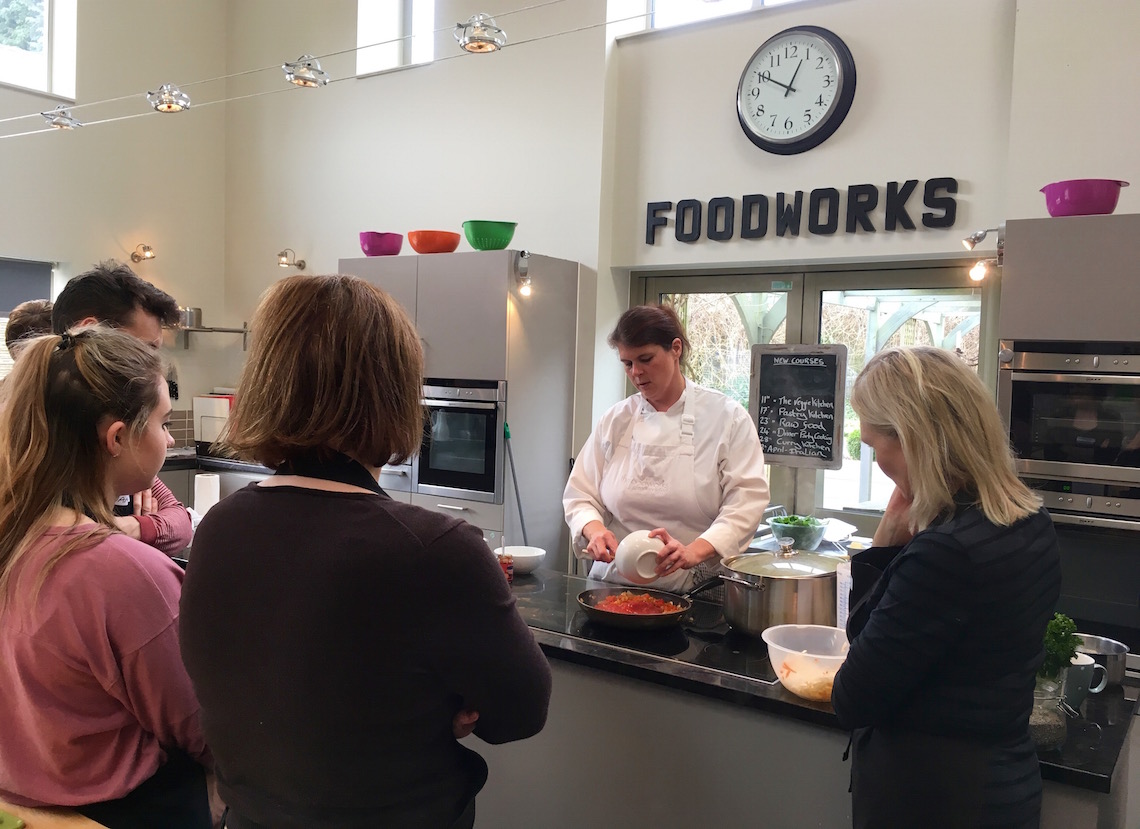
(380, 244)
(1082, 196)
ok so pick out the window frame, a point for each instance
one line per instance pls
(797, 488)
(405, 45)
(60, 50)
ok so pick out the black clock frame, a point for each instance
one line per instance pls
(834, 118)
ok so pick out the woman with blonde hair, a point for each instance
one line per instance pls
(96, 710)
(340, 641)
(949, 607)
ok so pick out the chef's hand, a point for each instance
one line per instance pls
(464, 723)
(676, 556)
(601, 544)
(894, 527)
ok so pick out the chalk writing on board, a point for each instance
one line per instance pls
(795, 404)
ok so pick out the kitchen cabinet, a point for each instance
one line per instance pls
(487, 517)
(1071, 278)
(476, 325)
(181, 483)
(458, 302)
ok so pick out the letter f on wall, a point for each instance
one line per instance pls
(654, 221)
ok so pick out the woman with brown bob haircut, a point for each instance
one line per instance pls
(334, 677)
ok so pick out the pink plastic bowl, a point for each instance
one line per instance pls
(380, 244)
(1082, 196)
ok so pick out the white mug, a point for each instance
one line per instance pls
(1080, 679)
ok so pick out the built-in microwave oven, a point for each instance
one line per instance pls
(1073, 414)
(462, 452)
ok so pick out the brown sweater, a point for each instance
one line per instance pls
(331, 638)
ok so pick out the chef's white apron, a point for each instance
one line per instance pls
(649, 482)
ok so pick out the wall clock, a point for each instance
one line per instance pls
(796, 90)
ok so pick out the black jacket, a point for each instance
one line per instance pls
(938, 684)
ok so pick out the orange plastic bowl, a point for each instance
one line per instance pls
(433, 241)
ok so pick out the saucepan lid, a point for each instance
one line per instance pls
(799, 565)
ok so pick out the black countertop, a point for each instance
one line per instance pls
(705, 656)
(185, 459)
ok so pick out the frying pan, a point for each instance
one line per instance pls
(588, 599)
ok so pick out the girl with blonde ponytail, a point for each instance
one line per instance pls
(96, 710)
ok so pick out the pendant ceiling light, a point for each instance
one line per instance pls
(305, 71)
(480, 34)
(168, 98)
(61, 118)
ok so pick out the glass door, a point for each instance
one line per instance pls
(866, 310)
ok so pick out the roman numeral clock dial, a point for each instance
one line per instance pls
(796, 90)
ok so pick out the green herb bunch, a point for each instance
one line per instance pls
(1061, 642)
(795, 521)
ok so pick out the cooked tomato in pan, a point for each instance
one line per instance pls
(640, 604)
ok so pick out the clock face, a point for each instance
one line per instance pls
(796, 90)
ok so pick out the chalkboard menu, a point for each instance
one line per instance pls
(796, 402)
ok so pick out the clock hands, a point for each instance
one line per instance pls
(793, 80)
(773, 80)
(787, 86)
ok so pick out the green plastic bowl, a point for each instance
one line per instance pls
(489, 235)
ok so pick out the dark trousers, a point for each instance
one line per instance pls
(174, 798)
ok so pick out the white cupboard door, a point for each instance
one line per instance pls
(395, 274)
(462, 305)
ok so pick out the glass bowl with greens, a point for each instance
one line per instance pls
(805, 531)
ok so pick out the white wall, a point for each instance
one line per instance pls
(512, 136)
(1074, 111)
(1004, 95)
(94, 193)
(931, 100)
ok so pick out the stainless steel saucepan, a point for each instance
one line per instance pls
(787, 587)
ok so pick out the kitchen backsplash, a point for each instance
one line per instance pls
(182, 427)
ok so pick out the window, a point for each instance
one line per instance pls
(20, 281)
(37, 45)
(866, 310)
(392, 33)
(663, 14)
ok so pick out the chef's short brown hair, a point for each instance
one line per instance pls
(645, 325)
(334, 365)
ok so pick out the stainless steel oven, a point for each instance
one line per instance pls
(1073, 413)
(462, 451)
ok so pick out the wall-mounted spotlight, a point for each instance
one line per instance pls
(168, 98)
(983, 268)
(305, 71)
(480, 34)
(977, 236)
(142, 252)
(522, 266)
(287, 258)
(61, 118)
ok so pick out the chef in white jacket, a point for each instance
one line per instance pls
(675, 458)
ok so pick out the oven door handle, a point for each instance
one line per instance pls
(1091, 521)
(459, 404)
(1077, 379)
